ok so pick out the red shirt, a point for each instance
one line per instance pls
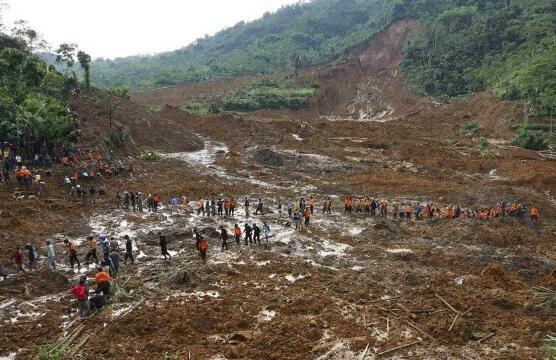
(80, 292)
(18, 257)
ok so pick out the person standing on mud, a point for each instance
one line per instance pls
(203, 247)
(290, 208)
(224, 237)
(534, 214)
(139, 200)
(279, 208)
(201, 207)
(163, 243)
(50, 255)
(92, 250)
(266, 231)
(128, 250)
(246, 204)
(213, 206)
(126, 200)
(81, 294)
(132, 197)
(32, 256)
(103, 280)
(307, 216)
(72, 251)
(227, 207)
(220, 208)
(256, 234)
(17, 258)
(312, 203)
(207, 207)
(237, 234)
(248, 231)
(233, 205)
(259, 209)
(297, 219)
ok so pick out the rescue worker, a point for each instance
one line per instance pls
(248, 234)
(92, 250)
(203, 247)
(163, 243)
(237, 234)
(220, 208)
(534, 214)
(224, 236)
(266, 231)
(81, 294)
(72, 251)
(115, 261)
(128, 250)
(259, 209)
(312, 204)
(256, 234)
(50, 255)
(246, 206)
(233, 205)
(102, 279)
(32, 256)
(17, 258)
(307, 216)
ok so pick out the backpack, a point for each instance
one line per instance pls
(203, 245)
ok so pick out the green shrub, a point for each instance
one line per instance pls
(484, 147)
(150, 155)
(530, 139)
(471, 128)
(117, 139)
(551, 346)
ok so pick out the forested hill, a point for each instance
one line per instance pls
(508, 46)
(316, 32)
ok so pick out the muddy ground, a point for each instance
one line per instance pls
(347, 286)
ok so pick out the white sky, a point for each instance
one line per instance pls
(113, 28)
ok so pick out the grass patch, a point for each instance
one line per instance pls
(48, 352)
(279, 94)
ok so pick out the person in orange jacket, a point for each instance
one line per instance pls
(534, 214)
(307, 216)
(103, 280)
(237, 234)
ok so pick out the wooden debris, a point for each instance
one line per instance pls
(364, 352)
(454, 322)
(486, 337)
(398, 348)
(419, 330)
(447, 304)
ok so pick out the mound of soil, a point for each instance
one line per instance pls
(147, 129)
(268, 157)
(34, 284)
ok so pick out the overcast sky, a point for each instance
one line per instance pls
(114, 28)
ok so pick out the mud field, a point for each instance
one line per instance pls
(345, 287)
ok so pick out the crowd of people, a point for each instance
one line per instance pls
(81, 180)
(418, 211)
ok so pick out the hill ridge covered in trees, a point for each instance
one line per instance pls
(507, 46)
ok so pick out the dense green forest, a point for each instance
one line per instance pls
(33, 98)
(298, 35)
(507, 46)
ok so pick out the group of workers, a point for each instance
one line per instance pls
(418, 211)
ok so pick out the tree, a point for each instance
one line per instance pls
(66, 55)
(29, 36)
(111, 99)
(85, 61)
